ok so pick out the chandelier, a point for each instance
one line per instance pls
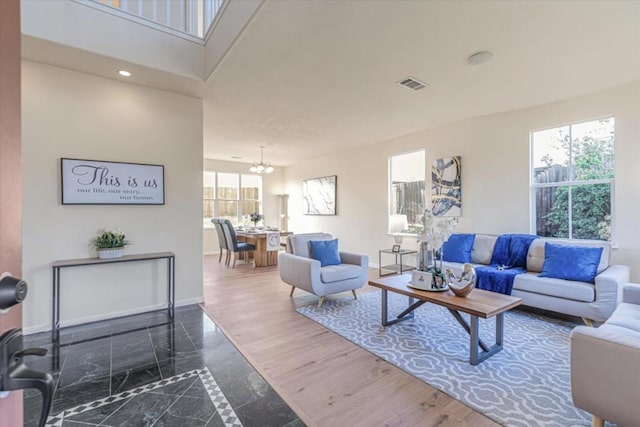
(261, 167)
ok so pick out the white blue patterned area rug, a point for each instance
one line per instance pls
(525, 384)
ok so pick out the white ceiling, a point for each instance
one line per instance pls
(313, 77)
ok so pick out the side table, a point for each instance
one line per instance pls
(399, 266)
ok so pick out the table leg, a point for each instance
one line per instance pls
(171, 286)
(55, 306)
(478, 350)
(405, 315)
(384, 307)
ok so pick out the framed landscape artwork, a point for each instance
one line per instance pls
(319, 196)
(446, 186)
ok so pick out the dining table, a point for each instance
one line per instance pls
(267, 243)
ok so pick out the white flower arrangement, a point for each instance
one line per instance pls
(435, 233)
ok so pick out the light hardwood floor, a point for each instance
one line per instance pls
(326, 379)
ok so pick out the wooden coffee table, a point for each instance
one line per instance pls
(478, 304)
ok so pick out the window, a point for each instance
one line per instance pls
(572, 180)
(406, 198)
(228, 197)
(209, 195)
(231, 196)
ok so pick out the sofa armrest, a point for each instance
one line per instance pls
(355, 259)
(299, 271)
(605, 379)
(631, 293)
(609, 282)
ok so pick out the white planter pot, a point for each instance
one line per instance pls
(110, 253)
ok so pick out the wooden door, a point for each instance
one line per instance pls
(10, 179)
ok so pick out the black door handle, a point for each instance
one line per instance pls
(15, 375)
(31, 352)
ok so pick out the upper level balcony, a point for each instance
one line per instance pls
(190, 17)
(168, 44)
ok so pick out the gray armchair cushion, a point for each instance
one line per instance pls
(299, 243)
(335, 273)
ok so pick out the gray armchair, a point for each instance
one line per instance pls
(299, 270)
(605, 364)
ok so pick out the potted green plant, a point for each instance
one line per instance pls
(110, 243)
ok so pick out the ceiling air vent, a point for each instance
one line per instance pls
(412, 83)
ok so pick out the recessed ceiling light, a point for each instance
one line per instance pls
(478, 58)
(236, 157)
(124, 73)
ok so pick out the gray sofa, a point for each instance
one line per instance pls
(299, 270)
(605, 364)
(592, 302)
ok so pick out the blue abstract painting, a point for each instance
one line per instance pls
(446, 187)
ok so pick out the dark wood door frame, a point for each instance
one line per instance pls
(10, 179)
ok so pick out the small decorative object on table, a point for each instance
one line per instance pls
(465, 284)
(110, 243)
(426, 281)
(256, 218)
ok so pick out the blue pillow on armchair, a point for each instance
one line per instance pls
(458, 248)
(579, 263)
(325, 251)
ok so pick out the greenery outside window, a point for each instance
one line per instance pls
(407, 190)
(572, 180)
(231, 196)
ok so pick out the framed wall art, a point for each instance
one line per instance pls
(446, 186)
(319, 196)
(95, 182)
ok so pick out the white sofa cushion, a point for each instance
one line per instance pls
(483, 248)
(560, 288)
(336, 273)
(535, 256)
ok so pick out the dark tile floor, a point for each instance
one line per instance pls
(184, 373)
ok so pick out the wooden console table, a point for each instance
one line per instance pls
(59, 265)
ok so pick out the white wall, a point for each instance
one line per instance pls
(272, 185)
(71, 114)
(495, 174)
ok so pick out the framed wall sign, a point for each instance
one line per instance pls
(319, 196)
(94, 182)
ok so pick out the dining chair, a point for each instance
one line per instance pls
(233, 246)
(222, 240)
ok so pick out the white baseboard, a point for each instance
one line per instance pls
(374, 265)
(105, 316)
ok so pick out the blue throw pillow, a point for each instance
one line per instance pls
(325, 251)
(577, 263)
(458, 248)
